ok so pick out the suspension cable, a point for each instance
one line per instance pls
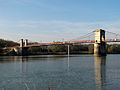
(113, 33)
(85, 36)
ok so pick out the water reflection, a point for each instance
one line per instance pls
(23, 64)
(77, 72)
(68, 62)
(100, 72)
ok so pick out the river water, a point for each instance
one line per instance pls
(45, 72)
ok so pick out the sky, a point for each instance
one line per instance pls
(56, 20)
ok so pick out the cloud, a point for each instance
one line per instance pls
(53, 30)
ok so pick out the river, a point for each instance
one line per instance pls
(60, 72)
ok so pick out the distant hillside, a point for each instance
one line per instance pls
(7, 43)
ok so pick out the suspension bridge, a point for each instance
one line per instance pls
(98, 37)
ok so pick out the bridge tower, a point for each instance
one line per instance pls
(22, 51)
(100, 44)
(26, 42)
(21, 43)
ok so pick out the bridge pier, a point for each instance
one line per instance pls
(100, 44)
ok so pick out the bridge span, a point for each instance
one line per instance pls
(99, 43)
(70, 42)
(66, 43)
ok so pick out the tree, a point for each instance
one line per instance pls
(91, 48)
(58, 48)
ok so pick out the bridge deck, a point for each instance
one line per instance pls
(68, 42)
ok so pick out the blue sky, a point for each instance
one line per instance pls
(51, 20)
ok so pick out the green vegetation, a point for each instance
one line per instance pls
(91, 48)
(7, 43)
(58, 49)
(74, 49)
(114, 48)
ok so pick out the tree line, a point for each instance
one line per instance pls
(74, 49)
(61, 49)
(7, 43)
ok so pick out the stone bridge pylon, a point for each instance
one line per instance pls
(100, 44)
